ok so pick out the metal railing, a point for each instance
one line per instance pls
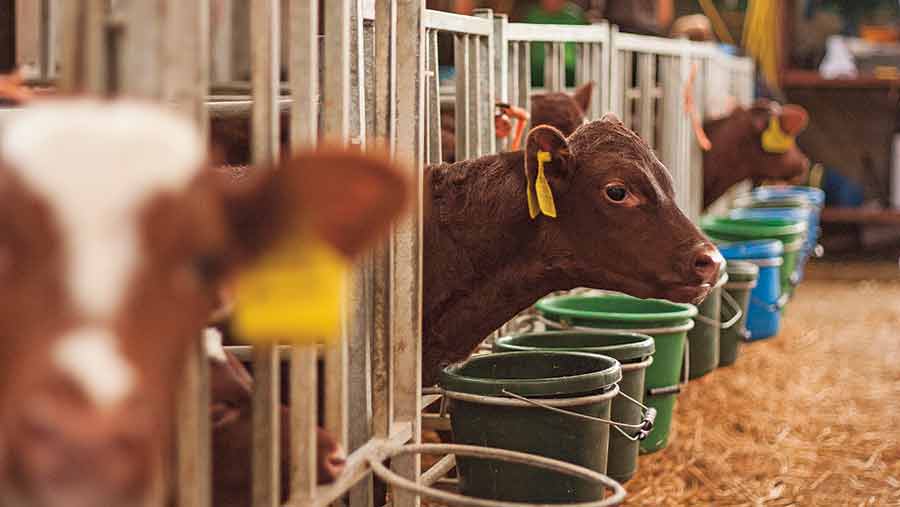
(376, 65)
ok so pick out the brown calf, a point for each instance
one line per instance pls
(737, 151)
(617, 228)
(232, 433)
(114, 237)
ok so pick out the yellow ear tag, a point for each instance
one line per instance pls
(774, 140)
(532, 201)
(293, 294)
(542, 186)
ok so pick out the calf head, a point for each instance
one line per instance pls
(618, 226)
(755, 143)
(114, 236)
(231, 410)
(561, 110)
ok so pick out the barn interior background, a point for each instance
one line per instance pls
(806, 417)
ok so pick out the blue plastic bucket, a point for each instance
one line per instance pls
(766, 302)
(807, 214)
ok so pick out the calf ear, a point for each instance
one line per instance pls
(348, 198)
(760, 112)
(794, 119)
(583, 95)
(560, 166)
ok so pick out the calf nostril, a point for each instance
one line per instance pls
(707, 264)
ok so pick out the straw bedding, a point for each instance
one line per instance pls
(807, 418)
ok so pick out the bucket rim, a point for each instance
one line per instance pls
(738, 269)
(642, 346)
(750, 250)
(813, 194)
(609, 373)
(680, 311)
(752, 228)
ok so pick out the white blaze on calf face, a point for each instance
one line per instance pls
(91, 357)
(213, 341)
(96, 164)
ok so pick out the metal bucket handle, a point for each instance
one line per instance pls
(643, 429)
(735, 306)
(474, 451)
(773, 307)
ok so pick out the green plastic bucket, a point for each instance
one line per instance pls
(742, 277)
(635, 353)
(665, 321)
(484, 413)
(791, 233)
(703, 340)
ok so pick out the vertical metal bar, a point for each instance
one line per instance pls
(336, 93)
(385, 125)
(560, 48)
(647, 86)
(434, 101)
(303, 64)
(549, 65)
(487, 62)
(140, 49)
(474, 95)
(222, 38)
(513, 95)
(598, 72)
(614, 76)
(627, 91)
(265, 42)
(406, 305)
(28, 37)
(83, 52)
(525, 77)
(360, 299)
(369, 73)
(501, 69)
(303, 71)
(357, 76)
(185, 86)
(336, 116)
(582, 67)
(461, 65)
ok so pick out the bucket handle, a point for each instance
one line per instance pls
(475, 451)
(565, 325)
(644, 428)
(772, 307)
(735, 307)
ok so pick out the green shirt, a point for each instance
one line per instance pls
(571, 14)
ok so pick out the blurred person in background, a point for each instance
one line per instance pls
(553, 12)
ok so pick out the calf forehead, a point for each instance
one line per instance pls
(612, 142)
(96, 164)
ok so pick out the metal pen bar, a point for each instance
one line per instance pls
(473, 98)
(457, 23)
(461, 65)
(406, 251)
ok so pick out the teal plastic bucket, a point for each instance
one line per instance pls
(635, 353)
(486, 410)
(665, 321)
(742, 276)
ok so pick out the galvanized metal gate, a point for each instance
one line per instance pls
(371, 78)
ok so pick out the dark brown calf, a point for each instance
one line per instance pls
(232, 435)
(617, 228)
(114, 237)
(737, 150)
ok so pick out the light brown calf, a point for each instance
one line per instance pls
(114, 236)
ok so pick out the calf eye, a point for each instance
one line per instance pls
(208, 267)
(616, 193)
